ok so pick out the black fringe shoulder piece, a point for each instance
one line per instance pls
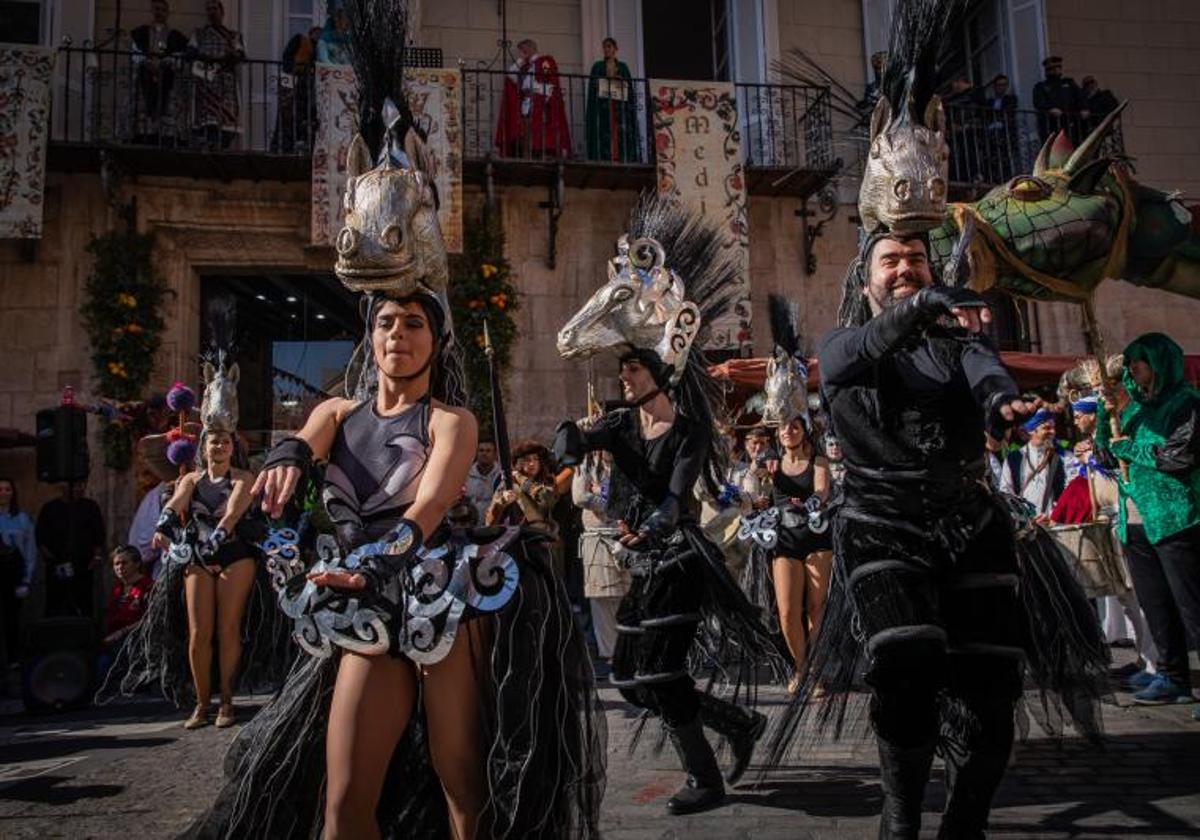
(918, 32)
(697, 253)
(784, 333)
(378, 42)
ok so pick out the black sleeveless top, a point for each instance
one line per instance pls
(789, 487)
(375, 464)
(210, 498)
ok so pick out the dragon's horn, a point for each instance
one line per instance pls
(1042, 163)
(1091, 146)
(1060, 151)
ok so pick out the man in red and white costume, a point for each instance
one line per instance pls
(533, 115)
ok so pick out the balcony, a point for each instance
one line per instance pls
(787, 140)
(161, 118)
(989, 147)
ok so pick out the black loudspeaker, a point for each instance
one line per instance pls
(58, 664)
(62, 450)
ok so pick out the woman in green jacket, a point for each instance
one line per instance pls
(1159, 443)
(612, 133)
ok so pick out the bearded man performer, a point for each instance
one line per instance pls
(930, 559)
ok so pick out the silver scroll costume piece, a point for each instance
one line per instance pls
(418, 614)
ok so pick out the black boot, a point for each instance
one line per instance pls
(972, 777)
(904, 772)
(740, 726)
(976, 744)
(703, 789)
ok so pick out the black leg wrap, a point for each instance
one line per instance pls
(703, 789)
(740, 726)
(903, 772)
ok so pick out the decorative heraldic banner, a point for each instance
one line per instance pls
(699, 151)
(433, 97)
(25, 77)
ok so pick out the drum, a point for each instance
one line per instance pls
(1095, 556)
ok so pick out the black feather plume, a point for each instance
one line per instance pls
(918, 30)
(784, 332)
(378, 41)
(222, 330)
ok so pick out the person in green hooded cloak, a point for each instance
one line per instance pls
(1159, 515)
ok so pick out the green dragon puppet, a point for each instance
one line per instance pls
(1078, 219)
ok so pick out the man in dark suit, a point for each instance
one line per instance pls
(1056, 100)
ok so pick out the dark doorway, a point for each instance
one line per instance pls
(295, 334)
(691, 44)
(1009, 329)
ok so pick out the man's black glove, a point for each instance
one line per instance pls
(994, 422)
(939, 300)
(663, 521)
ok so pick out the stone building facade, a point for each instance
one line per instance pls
(213, 225)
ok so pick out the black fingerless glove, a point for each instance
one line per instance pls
(169, 525)
(663, 521)
(404, 541)
(939, 300)
(569, 445)
(994, 421)
(290, 452)
(209, 548)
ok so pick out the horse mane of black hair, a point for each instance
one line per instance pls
(696, 251)
(917, 38)
(222, 327)
(784, 331)
(377, 44)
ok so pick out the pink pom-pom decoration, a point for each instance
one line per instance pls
(181, 397)
(181, 452)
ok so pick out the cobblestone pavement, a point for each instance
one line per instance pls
(110, 772)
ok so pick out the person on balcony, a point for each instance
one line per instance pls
(215, 51)
(1096, 101)
(612, 133)
(533, 115)
(297, 105)
(1001, 122)
(333, 47)
(154, 46)
(1057, 100)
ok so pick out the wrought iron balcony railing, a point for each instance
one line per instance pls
(990, 146)
(255, 109)
(611, 122)
(179, 102)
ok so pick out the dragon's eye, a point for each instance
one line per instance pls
(622, 294)
(902, 189)
(1028, 188)
(937, 189)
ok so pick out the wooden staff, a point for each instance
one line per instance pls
(1091, 327)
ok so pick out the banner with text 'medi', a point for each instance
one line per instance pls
(699, 152)
(25, 75)
(433, 98)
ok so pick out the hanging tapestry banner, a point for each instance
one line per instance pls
(25, 78)
(699, 150)
(433, 98)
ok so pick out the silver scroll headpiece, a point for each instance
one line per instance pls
(642, 306)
